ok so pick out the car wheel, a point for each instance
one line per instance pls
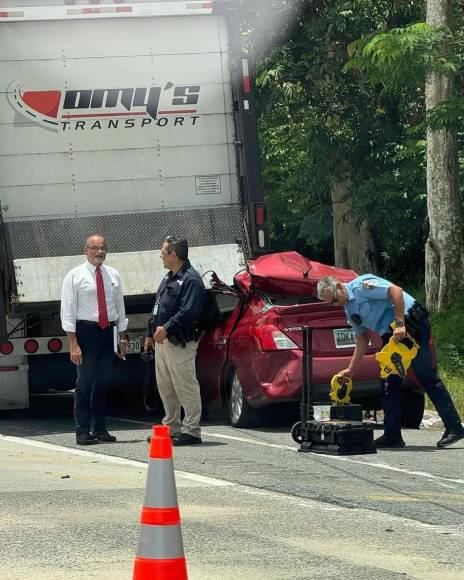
(241, 414)
(412, 408)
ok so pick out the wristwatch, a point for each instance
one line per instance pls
(399, 323)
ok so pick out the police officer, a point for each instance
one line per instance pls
(174, 336)
(372, 303)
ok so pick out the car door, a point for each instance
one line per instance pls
(213, 349)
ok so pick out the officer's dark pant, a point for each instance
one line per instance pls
(93, 376)
(428, 377)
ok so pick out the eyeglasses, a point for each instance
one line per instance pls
(97, 248)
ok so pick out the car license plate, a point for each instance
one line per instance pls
(344, 338)
(134, 345)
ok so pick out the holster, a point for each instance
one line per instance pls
(184, 335)
(177, 339)
(414, 318)
(197, 333)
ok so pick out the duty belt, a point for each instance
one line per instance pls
(414, 318)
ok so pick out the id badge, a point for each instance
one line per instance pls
(155, 309)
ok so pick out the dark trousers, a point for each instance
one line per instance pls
(93, 376)
(428, 377)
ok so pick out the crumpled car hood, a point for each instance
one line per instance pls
(288, 274)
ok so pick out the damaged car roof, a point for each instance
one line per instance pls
(288, 274)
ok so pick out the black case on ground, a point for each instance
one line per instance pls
(337, 437)
(344, 434)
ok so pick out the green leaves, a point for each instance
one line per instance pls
(345, 85)
(449, 114)
(403, 56)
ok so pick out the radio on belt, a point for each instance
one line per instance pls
(343, 432)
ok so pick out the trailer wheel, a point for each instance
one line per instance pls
(296, 433)
(241, 414)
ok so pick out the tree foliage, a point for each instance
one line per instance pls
(343, 82)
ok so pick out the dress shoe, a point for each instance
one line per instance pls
(392, 442)
(85, 438)
(186, 439)
(103, 436)
(450, 437)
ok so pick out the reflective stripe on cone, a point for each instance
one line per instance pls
(160, 551)
(160, 490)
(160, 542)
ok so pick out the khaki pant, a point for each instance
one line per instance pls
(178, 386)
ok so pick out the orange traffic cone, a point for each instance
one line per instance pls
(160, 551)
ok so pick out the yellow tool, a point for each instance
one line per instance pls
(396, 357)
(340, 392)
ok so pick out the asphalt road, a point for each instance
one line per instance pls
(252, 506)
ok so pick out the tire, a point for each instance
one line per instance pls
(241, 414)
(412, 408)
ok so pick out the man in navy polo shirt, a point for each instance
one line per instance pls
(173, 334)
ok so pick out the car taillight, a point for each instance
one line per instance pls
(271, 338)
(6, 347)
(31, 346)
(54, 345)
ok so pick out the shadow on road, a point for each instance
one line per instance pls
(52, 413)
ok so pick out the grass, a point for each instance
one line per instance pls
(455, 387)
(448, 332)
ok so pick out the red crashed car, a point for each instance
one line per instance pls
(253, 357)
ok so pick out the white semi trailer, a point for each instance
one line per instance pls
(132, 118)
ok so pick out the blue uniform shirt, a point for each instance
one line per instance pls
(368, 299)
(179, 300)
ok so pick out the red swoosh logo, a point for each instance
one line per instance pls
(45, 102)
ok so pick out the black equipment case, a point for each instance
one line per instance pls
(343, 434)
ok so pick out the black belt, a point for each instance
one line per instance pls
(92, 323)
(413, 319)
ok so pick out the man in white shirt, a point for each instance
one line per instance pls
(92, 312)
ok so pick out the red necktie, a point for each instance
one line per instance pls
(101, 300)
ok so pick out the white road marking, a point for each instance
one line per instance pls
(376, 464)
(308, 503)
(73, 451)
(102, 458)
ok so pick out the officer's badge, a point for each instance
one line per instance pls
(370, 284)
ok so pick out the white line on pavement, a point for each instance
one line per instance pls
(376, 464)
(112, 459)
(73, 451)
(308, 503)
(346, 459)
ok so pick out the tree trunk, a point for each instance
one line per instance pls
(353, 245)
(444, 256)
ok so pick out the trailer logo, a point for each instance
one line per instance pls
(106, 108)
